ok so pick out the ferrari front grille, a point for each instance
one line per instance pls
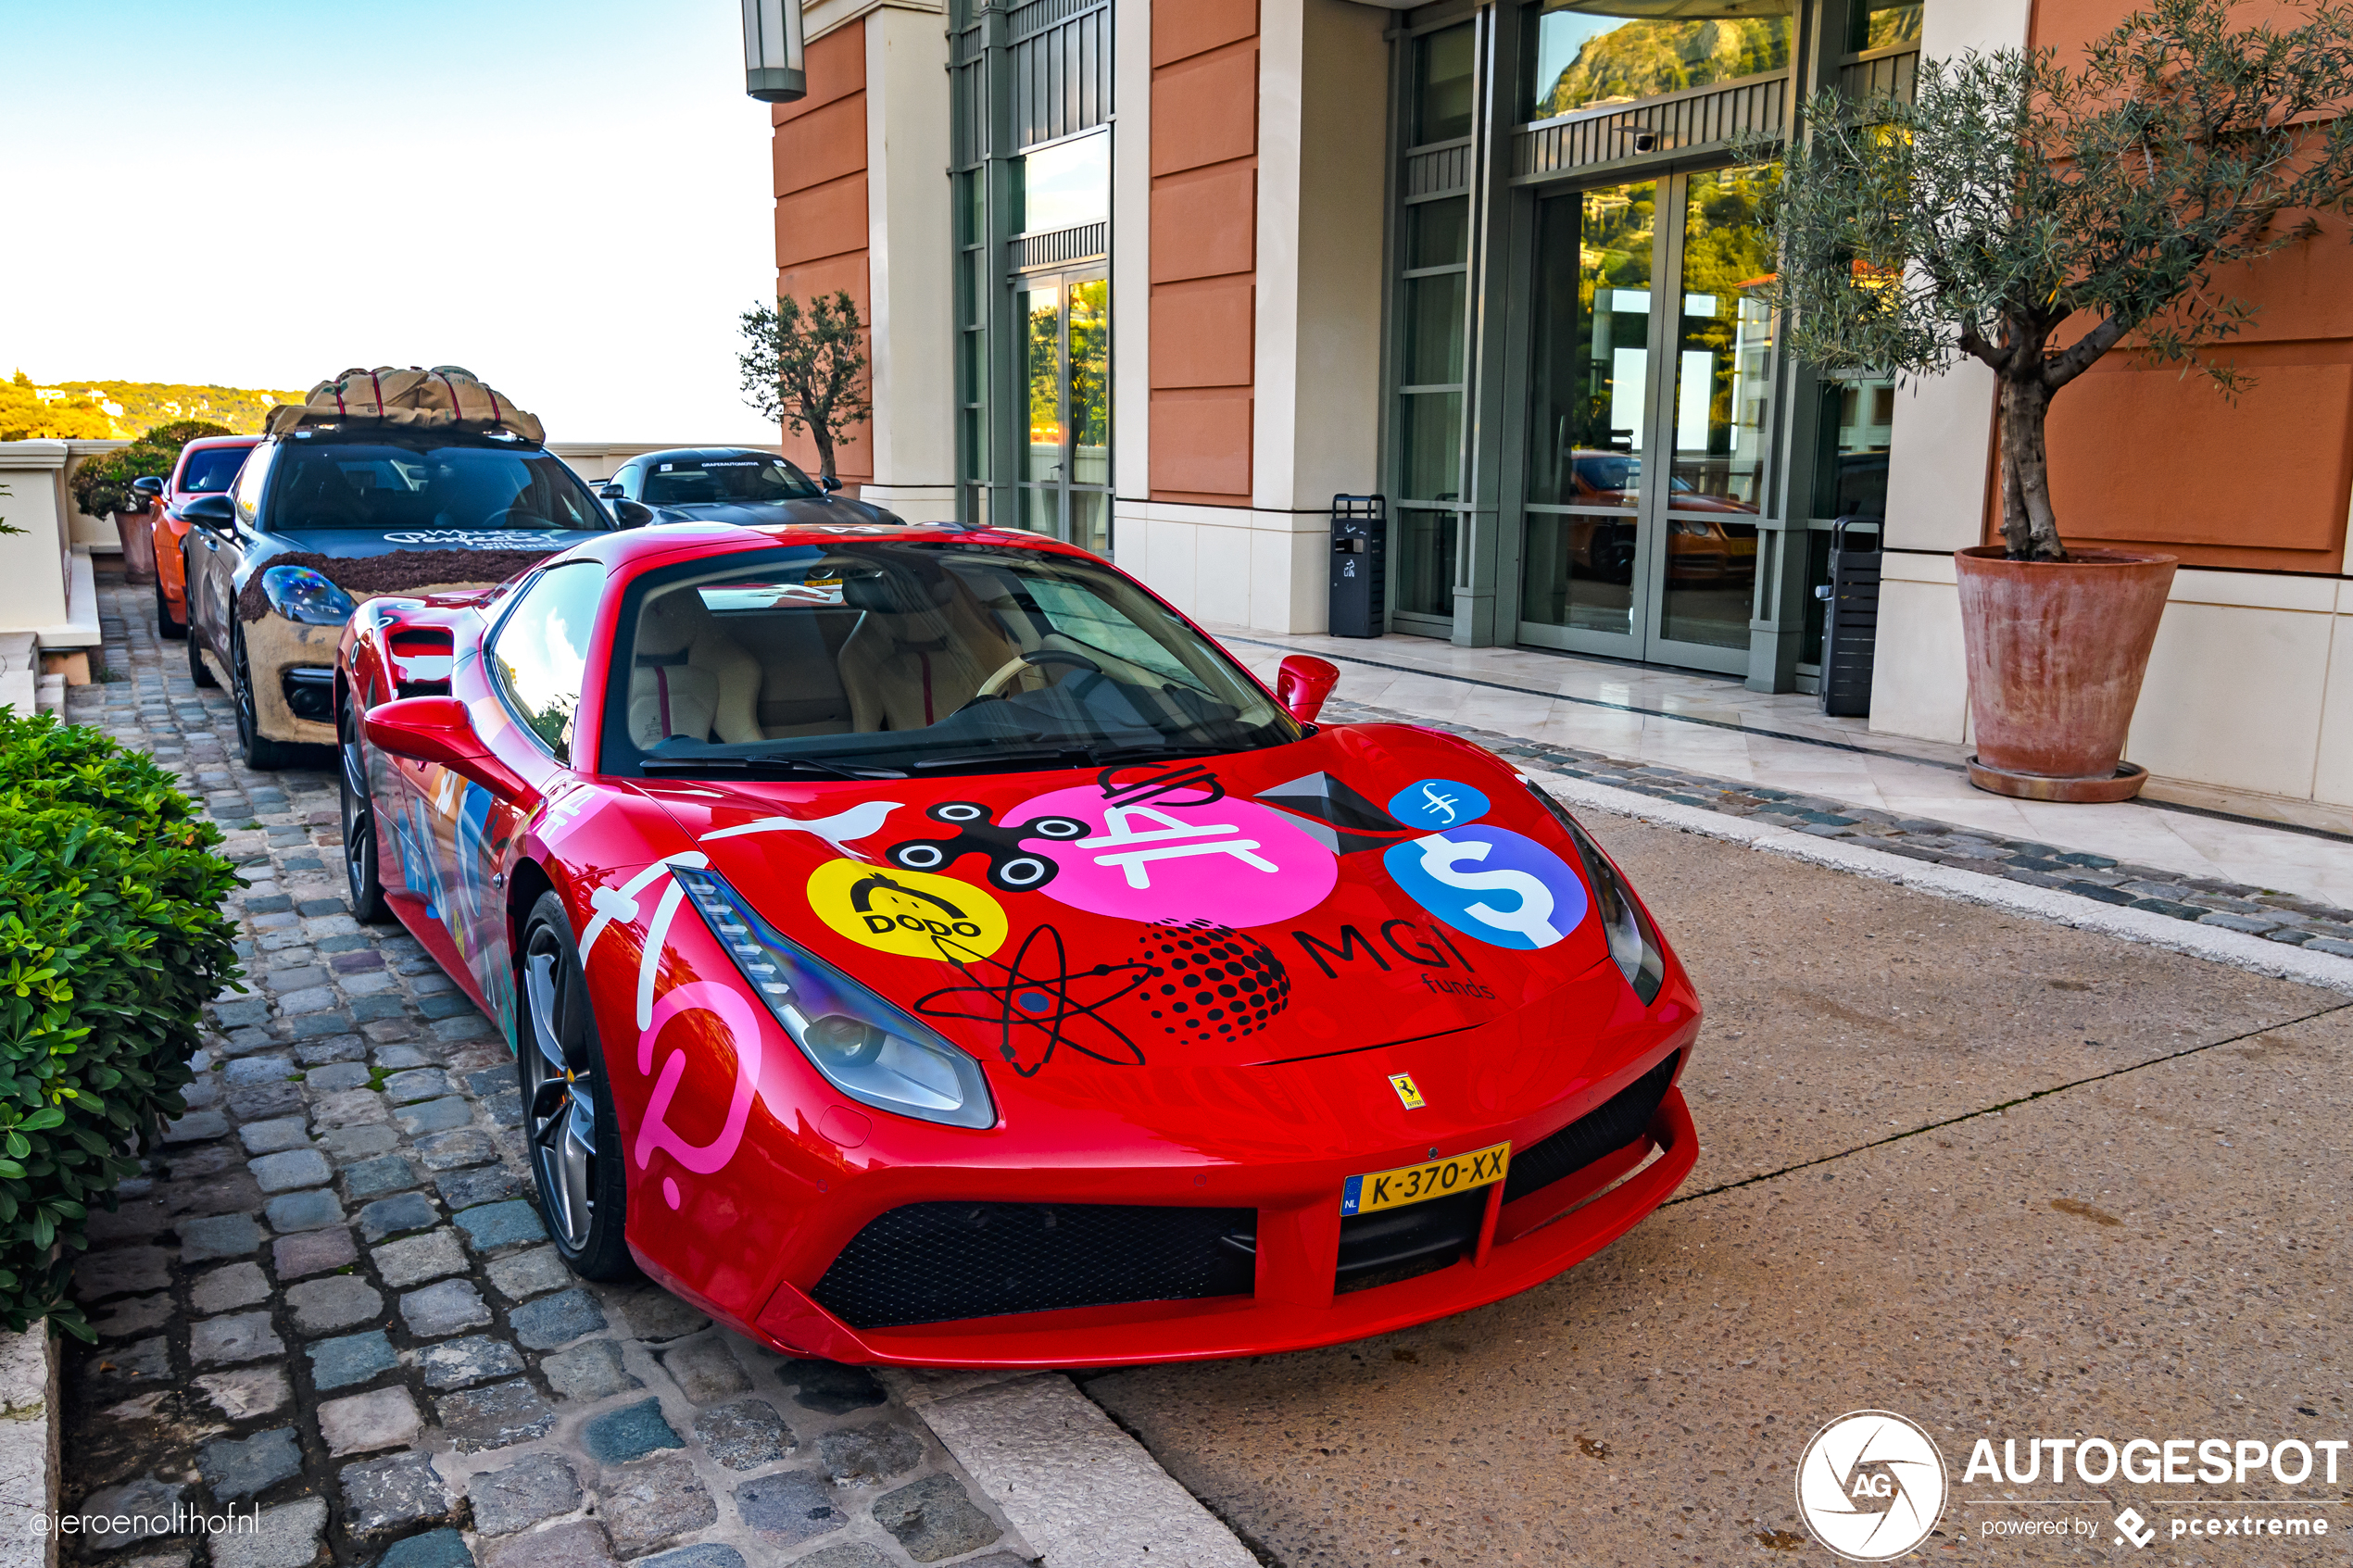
(1618, 1121)
(937, 1263)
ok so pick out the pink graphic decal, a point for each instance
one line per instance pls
(1232, 861)
(743, 1026)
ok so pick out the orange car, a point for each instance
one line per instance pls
(206, 467)
(1719, 545)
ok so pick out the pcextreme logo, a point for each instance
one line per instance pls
(1871, 1486)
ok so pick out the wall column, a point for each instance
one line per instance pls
(911, 247)
(1939, 459)
(1315, 418)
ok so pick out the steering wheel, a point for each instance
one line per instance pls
(1014, 667)
(515, 518)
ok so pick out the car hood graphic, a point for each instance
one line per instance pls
(1254, 908)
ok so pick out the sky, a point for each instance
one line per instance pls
(573, 201)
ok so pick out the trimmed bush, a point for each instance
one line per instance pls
(111, 941)
(102, 483)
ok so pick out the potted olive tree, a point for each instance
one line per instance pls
(2036, 214)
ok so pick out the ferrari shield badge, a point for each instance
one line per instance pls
(1407, 1091)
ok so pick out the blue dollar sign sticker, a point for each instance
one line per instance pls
(1437, 803)
(1491, 883)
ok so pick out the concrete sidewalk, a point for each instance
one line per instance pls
(2003, 1177)
(1713, 726)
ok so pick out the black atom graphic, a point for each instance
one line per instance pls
(1217, 983)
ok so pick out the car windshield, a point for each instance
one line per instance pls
(430, 488)
(892, 656)
(734, 476)
(212, 468)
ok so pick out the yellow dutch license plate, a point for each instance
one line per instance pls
(1418, 1184)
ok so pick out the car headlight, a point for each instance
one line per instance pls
(867, 1048)
(299, 594)
(1633, 945)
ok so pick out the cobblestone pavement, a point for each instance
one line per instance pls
(331, 1298)
(2260, 911)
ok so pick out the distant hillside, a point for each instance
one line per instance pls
(100, 410)
(1643, 58)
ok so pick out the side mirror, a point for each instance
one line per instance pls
(215, 513)
(1302, 682)
(610, 491)
(633, 514)
(437, 729)
(148, 485)
(829, 481)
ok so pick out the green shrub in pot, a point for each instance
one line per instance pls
(112, 939)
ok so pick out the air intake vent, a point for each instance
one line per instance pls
(1604, 1131)
(937, 1263)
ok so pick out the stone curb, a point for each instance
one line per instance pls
(2220, 944)
(1080, 1492)
(28, 1447)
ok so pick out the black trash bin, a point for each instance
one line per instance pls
(1360, 565)
(1850, 619)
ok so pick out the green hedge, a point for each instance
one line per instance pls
(111, 941)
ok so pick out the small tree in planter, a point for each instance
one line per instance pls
(2035, 215)
(803, 368)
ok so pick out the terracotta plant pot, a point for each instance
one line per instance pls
(137, 531)
(2057, 650)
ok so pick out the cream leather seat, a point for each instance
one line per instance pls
(907, 664)
(690, 678)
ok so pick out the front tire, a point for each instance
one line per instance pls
(262, 754)
(568, 1117)
(360, 847)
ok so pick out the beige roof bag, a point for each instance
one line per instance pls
(443, 396)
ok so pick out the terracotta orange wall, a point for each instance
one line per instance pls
(821, 204)
(1205, 247)
(2145, 456)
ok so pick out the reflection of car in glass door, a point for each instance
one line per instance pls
(1625, 370)
(1719, 545)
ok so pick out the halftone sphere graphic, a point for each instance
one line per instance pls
(1216, 982)
(1871, 1486)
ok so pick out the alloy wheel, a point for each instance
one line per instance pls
(560, 1092)
(358, 810)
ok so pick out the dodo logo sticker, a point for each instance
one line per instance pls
(909, 912)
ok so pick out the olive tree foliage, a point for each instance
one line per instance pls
(803, 368)
(2035, 215)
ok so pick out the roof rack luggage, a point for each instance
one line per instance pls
(444, 396)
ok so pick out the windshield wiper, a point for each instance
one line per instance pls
(1068, 756)
(1033, 757)
(765, 765)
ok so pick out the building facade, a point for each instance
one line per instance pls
(1162, 277)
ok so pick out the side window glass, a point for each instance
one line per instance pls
(541, 650)
(250, 477)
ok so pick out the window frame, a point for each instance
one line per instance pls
(496, 676)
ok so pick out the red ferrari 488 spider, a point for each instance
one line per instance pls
(922, 944)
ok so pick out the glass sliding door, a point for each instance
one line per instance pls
(1723, 396)
(1588, 418)
(1065, 460)
(1650, 419)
